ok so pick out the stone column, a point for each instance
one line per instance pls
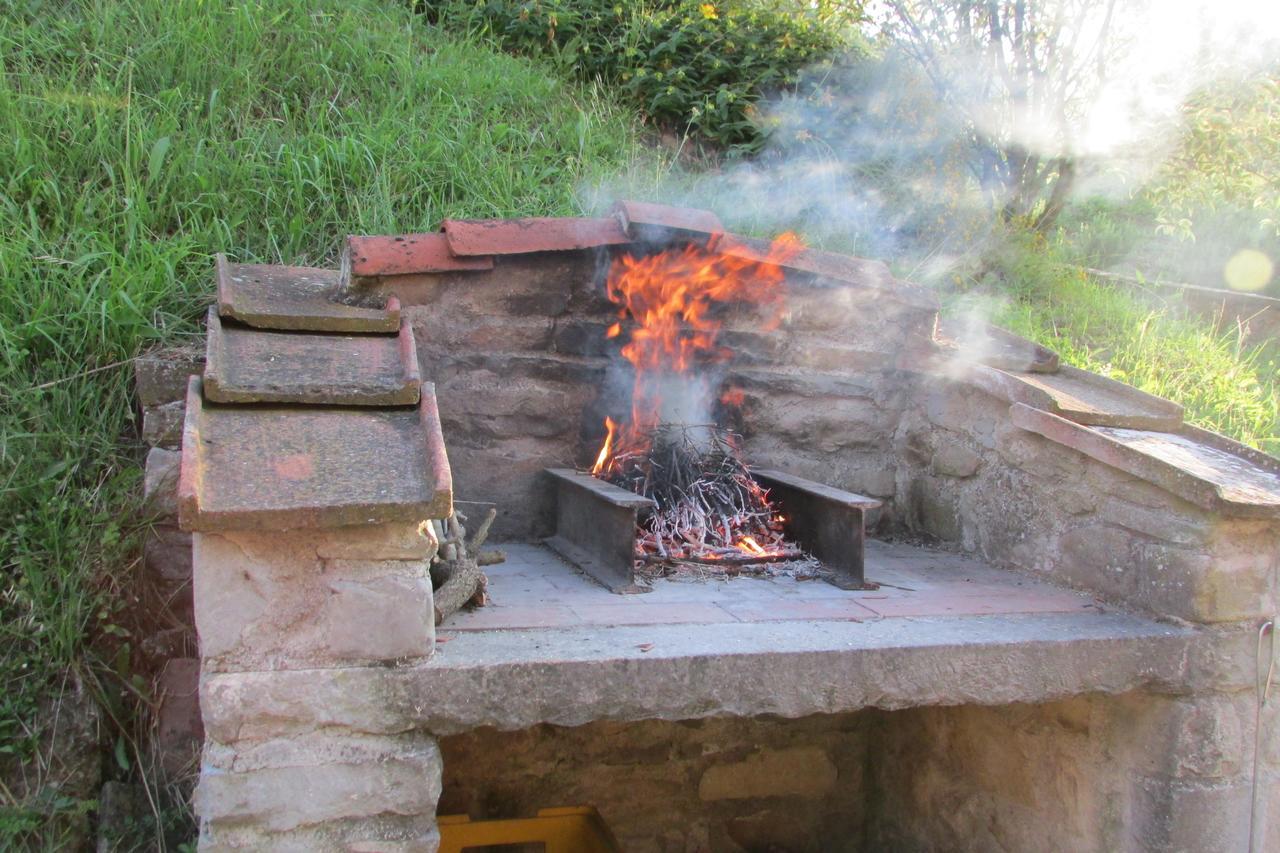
(348, 597)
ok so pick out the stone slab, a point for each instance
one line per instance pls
(302, 298)
(535, 588)
(568, 677)
(247, 365)
(160, 376)
(470, 237)
(1211, 477)
(1081, 396)
(995, 347)
(406, 254)
(279, 466)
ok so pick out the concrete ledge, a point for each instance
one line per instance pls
(515, 679)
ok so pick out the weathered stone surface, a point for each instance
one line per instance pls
(1202, 737)
(1207, 476)
(160, 376)
(393, 541)
(1189, 816)
(516, 678)
(277, 466)
(121, 809)
(254, 366)
(160, 482)
(991, 345)
(305, 298)
(631, 772)
(955, 460)
(1082, 397)
(380, 834)
(276, 604)
(166, 553)
(800, 772)
(317, 779)
(179, 731)
(162, 424)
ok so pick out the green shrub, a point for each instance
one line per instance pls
(695, 67)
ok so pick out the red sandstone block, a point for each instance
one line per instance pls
(469, 237)
(643, 213)
(407, 254)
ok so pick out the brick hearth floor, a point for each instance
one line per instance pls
(535, 588)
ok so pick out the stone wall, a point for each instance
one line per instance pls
(1119, 773)
(1135, 772)
(525, 374)
(702, 785)
(969, 476)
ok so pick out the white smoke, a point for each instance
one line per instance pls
(864, 160)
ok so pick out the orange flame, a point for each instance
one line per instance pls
(675, 301)
(751, 546)
(607, 448)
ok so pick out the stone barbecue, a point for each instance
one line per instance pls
(1049, 638)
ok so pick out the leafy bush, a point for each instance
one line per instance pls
(698, 67)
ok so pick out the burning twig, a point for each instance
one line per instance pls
(709, 510)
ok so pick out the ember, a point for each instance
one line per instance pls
(709, 508)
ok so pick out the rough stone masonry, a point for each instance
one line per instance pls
(325, 701)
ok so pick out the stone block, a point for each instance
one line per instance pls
(382, 834)
(179, 730)
(799, 772)
(394, 541)
(1192, 816)
(317, 779)
(161, 376)
(162, 424)
(278, 604)
(1181, 525)
(491, 405)
(955, 460)
(166, 554)
(438, 330)
(160, 482)
(1206, 737)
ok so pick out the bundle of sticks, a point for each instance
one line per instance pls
(455, 570)
(709, 508)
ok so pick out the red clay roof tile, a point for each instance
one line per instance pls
(469, 237)
(644, 213)
(407, 254)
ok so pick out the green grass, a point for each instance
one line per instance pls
(139, 137)
(1155, 345)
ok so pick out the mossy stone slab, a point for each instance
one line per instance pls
(247, 365)
(298, 298)
(279, 466)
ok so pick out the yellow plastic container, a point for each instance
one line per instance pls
(564, 830)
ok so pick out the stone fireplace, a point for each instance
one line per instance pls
(1060, 652)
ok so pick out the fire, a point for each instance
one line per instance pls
(751, 546)
(673, 303)
(606, 448)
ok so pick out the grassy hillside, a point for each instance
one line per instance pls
(139, 137)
